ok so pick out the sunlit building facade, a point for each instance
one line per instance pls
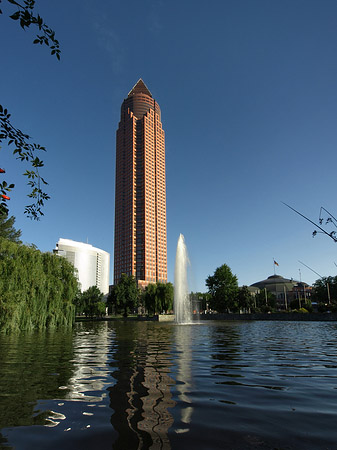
(92, 264)
(140, 202)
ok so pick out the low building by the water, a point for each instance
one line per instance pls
(92, 263)
(284, 289)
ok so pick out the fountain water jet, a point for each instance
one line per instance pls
(182, 305)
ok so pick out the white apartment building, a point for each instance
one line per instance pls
(92, 264)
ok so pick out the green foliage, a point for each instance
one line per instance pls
(100, 308)
(308, 306)
(264, 304)
(150, 298)
(165, 294)
(322, 307)
(90, 302)
(158, 297)
(297, 304)
(320, 294)
(294, 304)
(245, 299)
(7, 230)
(124, 296)
(325, 307)
(112, 300)
(24, 149)
(36, 289)
(223, 288)
(320, 290)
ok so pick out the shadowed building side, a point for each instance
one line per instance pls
(140, 203)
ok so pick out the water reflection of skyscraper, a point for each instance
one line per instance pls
(141, 396)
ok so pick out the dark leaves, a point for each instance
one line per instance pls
(15, 16)
(26, 17)
(24, 151)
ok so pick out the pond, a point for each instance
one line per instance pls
(146, 385)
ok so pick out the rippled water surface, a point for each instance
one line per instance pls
(144, 385)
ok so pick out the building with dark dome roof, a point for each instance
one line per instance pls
(284, 289)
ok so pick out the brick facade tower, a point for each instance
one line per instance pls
(140, 203)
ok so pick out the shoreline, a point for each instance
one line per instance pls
(286, 317)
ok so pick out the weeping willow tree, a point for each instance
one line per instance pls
(36, 289)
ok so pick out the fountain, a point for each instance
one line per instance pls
(182, 305)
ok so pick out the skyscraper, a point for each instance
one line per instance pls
(140, 205)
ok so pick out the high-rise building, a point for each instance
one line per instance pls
(140, 207)
(92, 264)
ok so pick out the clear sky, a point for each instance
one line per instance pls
(248, 94)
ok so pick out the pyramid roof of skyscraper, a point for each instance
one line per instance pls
(139, 88)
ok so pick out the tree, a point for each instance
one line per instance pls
(111, 300)
(297, 304)
(325, 290)
(151, 300)
(124, 296)
(245, 299)
(158, 297)
(265, 301)
(7, 230)
(165, 294)
(24, 149)
(223, 288)
(37, 289)
(90, 302)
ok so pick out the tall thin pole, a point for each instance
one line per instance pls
(299, 291)
(328, 289)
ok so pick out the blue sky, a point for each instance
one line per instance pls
(248, 94)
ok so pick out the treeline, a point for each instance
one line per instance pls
(325, 294)
(126, 298)
(224, 295)
(37, 289)
(90, 303)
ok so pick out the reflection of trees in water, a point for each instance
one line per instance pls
(141, 394)
(226, 351)
(226, 343)
(33, 366)
(61, 364)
